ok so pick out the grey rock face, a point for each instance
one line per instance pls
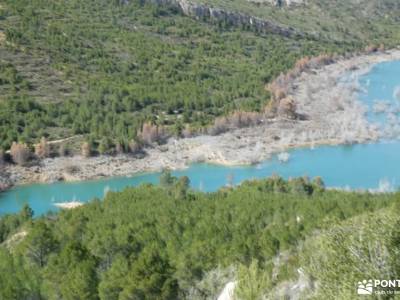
(279, 3)
(201, 11)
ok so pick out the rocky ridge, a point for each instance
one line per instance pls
(204, 12)
(279, 3)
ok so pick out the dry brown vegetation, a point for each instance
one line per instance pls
(42, 150)
(151, 134)
(280, 105)
(282, 85)
(287, 108)
(86, 149)
(374, 48)
(2, 158)
(119, 148)
(188, 132)
(20, 153)
(238, 119)
(135, 147)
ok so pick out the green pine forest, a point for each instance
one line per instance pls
(169, 242)
(101, 69)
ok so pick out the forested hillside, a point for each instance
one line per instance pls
(376, 21)
(169, 242)
(364, 247)
(112, 77)
(102, 68)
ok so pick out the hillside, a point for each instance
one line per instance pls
(101, 69)
(95, 89)
(171, 243)
(351, 21)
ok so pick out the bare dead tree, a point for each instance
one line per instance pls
(20, 153)
(86, 149)
(42, 150)
(150, 133)
(2, 158)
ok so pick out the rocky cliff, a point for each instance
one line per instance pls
(279, 3)
(202, 11)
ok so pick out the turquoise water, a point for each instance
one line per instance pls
(370, 166)
(382, 85)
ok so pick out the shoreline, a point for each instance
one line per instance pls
(334, 116)
(68, 205)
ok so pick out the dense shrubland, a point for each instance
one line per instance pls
(121, 77)
(351, 21)
(169, 242)
(102, 70)
(365, 247)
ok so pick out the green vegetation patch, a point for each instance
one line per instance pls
(373, 21)
(168, 242)
(100, 68)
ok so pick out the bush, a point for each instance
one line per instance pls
(150, 134)
(366, 247)
(221, 125)
(135, 147)
(119, 148)
(253, 281)
(105, 146)
(42, 150)
(20, 153)
(287, 108)
(86, 149)
(187, 132)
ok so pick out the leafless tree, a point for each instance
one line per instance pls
(42, 150)
(86, 149)
(2, 158)
(119, 148)
(187, 132)
(135, 147)
(150, 133)
(287, 108)
(20, 153)
(221, 125)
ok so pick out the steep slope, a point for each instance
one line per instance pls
(170, 243)
(116, 65)
(351, 21)
(362, 248)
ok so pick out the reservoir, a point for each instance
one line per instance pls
(374, 166)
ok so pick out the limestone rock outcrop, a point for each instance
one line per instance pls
(280, 3)
(202, 11)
